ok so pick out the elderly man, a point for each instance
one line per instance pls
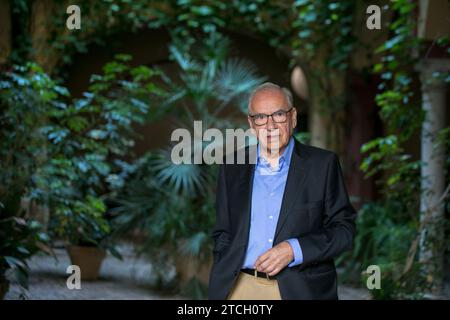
(281, 221)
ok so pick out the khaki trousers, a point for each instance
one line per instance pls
(249, 287)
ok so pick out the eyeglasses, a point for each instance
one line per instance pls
(279, 116)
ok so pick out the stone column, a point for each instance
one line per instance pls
(431, 254)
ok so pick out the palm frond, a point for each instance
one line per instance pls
(183, 61)
(236, 78)
(194, 244)
(184, 178)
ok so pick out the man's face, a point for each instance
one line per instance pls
(273, 136)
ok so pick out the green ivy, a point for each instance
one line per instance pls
(401, 112)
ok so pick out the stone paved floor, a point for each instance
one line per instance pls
(130, 279)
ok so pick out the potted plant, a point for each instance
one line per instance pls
(61, 152)
(88, 137)
(86, 231)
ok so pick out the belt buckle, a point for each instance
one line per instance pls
(267, 275)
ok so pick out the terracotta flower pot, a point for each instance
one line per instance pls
(89, 259)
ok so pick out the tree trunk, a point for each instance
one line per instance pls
(5, 30)
(40, 30)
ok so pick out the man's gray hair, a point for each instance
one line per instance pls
(271, 86)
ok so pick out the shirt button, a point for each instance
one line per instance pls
(270, 217)
(270, 240)
(272, 194)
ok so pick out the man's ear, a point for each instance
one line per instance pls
(294, 119)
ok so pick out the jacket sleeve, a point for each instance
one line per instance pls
(221, 231)
(338, 230)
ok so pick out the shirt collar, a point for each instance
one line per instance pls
(285, 158)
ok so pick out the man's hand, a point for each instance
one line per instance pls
(275, 259)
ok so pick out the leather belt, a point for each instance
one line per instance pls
(254, 272)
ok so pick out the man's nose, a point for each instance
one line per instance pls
(270, 123)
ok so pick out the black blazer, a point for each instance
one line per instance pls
(315, 209)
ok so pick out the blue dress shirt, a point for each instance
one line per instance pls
(267, 195)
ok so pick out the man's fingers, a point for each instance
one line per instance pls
(263, 266)
(270, 268)
(274, 272)
(269, 264)
(262, 258)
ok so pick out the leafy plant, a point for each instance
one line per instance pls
(87, 136)
(26, 93)
(385, 231)
(173, 204)
(20, 239)
(60, 151)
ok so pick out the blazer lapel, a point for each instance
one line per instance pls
(245, 190)
(298, 169)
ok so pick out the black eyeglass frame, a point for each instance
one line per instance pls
(270, 115)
